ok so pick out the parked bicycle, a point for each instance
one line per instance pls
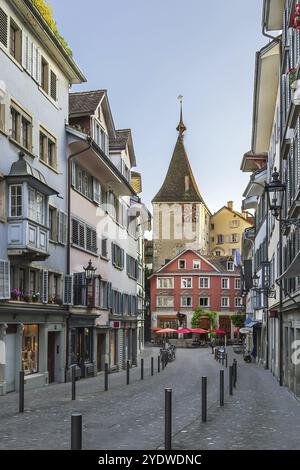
(168, 354)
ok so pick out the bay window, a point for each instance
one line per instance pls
(16, 200)
(36, 206)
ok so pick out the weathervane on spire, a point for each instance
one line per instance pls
(181, 127)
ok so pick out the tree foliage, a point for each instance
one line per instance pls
(199, 312)
(238, 320)
(47, 13)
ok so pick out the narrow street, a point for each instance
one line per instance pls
(258, 416)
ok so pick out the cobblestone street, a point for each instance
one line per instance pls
(258, 416)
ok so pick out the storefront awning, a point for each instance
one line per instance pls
(293, 270)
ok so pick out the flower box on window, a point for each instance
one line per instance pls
(292, 74)
(295, 23)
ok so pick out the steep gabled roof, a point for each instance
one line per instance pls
(85, 102)
(122, 139)
(174, 187)
(238, 214)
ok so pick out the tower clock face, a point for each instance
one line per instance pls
(190, 213)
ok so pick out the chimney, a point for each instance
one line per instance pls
(230, 205)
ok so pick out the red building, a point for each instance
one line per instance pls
(189, 280)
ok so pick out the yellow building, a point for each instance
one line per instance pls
(226, 230)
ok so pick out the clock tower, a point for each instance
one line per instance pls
(181, 218)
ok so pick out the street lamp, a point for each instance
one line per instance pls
(89, 271)
(89, 276)
(275, 190)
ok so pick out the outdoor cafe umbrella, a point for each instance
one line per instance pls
(184, 331)
(200, 331)
(166, 331)
(220, 332)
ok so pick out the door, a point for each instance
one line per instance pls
(225, 325)
(10, 367)
(51, 356)
(100, 352)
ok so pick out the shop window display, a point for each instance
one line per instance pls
(30, 349)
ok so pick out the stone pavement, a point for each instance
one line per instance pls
(260, 414)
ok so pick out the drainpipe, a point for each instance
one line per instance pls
(69, 181)
(277, 39)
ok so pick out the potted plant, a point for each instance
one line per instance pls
(35, 297)
(57, 300)
(292, 74)
(15, 294)
(296, 17)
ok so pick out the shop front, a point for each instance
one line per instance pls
(82, 350)
(123, 343)
(34, 341)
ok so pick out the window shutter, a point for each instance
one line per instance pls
(82, 235)
(97, 292)
(62, 228)
(75, 229)
(96, 191)
(122, 258)
(68, 290)
(113, 253)
(44, 286)
(109, 295)
(38, 66)
(73, 173)
(2, 117)
(4, 280)
(3, 27)
(53, 85)
(79, 289)
(29, 57)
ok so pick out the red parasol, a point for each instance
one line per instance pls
(200, 331)
(220, 332)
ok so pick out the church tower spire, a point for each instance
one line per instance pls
(181, 127)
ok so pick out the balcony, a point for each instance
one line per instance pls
(27, 239)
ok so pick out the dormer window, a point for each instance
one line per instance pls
(230, 266)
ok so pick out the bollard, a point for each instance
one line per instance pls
(168, 419)
(142, 369)
(73, 382)
(234, 372)
(221, 387)
(230, 380)
(127, 372)
(226, 360)
(21, 391)
(204, 399)
(163, 363)
(152, 366)
(106, 377)
(215, 354)
(223, 357)
(158, 364)
(76, 431)
(212, 349)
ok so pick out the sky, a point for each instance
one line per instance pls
(146, 53)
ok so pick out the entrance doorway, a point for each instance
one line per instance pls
(101, 351)
(51, 357)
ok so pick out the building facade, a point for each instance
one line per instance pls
(35, 75)
(180, 216)
(273, 303)
(107, 223)
(190, 280)
(226, 230)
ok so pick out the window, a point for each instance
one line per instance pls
(104, 248)
(15, 41)
(204, 283)
(15, 197)
(186, 283)
(83, 182)
(165, 301)
(225, 283)
(196, 264)
(117, 254)
(230, 266)
(2, 117)
(36, 206)
(48, 152)
(182, 264)
(84, 236)
(132, 267)
(21, 127)
(234, 238)
(225, 302)
(237, 283)
(220, 239)
(237, 302)
(212, 226)
(44, 75)
(218, 253)
(30, 345)
(165, 283)
(186, 301)
(204, 301)
(234, 223)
